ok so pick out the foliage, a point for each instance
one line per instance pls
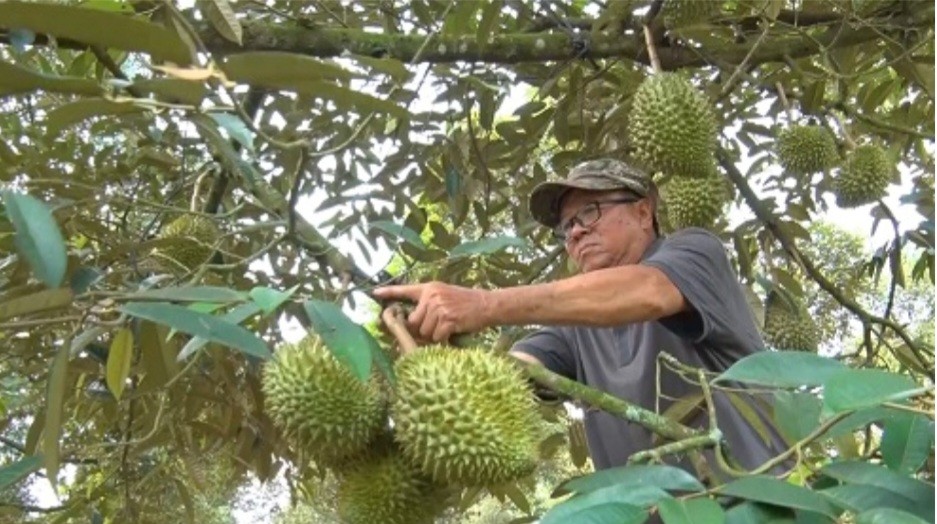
(323, 138)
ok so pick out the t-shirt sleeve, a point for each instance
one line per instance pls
(550, 347)
(697, 264)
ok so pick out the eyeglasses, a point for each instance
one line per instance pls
(587, 215)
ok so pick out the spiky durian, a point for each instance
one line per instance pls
(806, 149)
(864, 178)
(465, 416)
(187, 241)
(319, 404)
(672, 126)
(388, 489)
(788, 325)
(684, 13)
(695, 201)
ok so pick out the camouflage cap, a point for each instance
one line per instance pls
(603, 174)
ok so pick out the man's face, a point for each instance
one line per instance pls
(619, 237)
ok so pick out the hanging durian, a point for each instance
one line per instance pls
(806, 149)
(672, 126)
(187, 242)
(695, 201)
(788, 324)
(465, 416)
(319, 404)
(864, 177)
(685, 13)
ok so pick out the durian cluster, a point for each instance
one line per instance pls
(673, 132)
(187, 242)
(687, 13)
(788, 325)
(455, 418)
(863, 178)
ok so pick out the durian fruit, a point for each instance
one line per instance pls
(672, 126)
(188, 241)
(320, 406)
(806, 149)
(387, 489)
(788, 325)
(864, 177)
(684, 13)
(695, 201)
(465, 416)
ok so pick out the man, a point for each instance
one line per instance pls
(638, 294)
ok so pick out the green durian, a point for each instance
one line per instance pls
(695, 201)
(465, 416)
(387, 489)
(318, 403)
(672, 126)
(864, 177)
(684, 13)
(187, 242)
(789, 325)
(806, 149)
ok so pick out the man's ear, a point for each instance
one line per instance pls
(646, 213)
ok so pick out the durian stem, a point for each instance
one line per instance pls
(393, 319)
(197, 189)
(651, 49)
(657, 454)
(850, 143)
(784, 101)
(599, 399)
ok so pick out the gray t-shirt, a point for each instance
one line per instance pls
(719, 330)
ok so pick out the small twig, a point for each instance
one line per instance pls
(393, 319)
(657, 454)
(651, 49)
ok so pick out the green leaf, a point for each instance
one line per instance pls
(215, 294)
(660, 476)
(692, 511)
(80, 110)
(15, 79)
(861, 388)
(487, 246)
(749, 414)
(96, 27)
(236, 129)
(270, 299)
(399, 231)
(796, 414)
(751, 512)
(770, 490)
(390, 66)
(782, 369)
(55, 406)
(907, 441)
(173, 90)
(45, 300)
(38, 238)
(604, 506)
(12, 473)
(199, 324)
(861, 497)
(349, 342)
(887, 516)
(119, 359)
(280, 70)
(856, 472)
(223, 19)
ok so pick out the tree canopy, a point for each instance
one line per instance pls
(182, 183)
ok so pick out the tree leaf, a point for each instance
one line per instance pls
(119, 359)
(203, 325)
(223, 19)
(237, 315)
(37, 238)
(692, 511)
(796, 414)
(861, 388)
(45, 300)
(887, 516)
(856, 472)
(173, 90)
(782, 369)
(907, 441)
(55, 407)
(270, 299)
(216, 294)
(13, 472)
(612, 504)
(861, 497)
(750, 512)
(487, 246)
(750, 415)
(96, 27)
(761, 488)
(80, 110)
(349, 342)
(399, 231)
(15, 79)
(659, 476)
(236, 129)
(280, 70)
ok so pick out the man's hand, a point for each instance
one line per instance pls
(442, 310)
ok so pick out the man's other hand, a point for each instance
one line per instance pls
(442, 310)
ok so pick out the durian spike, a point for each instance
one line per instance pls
(651, 49)
(393, 319)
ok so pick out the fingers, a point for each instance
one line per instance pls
(411, 292)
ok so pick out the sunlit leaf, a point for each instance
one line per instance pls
(54, 411)
(119, 359)
(907, 441)
(38, 237)
(660, 476)
(349, 342)
(223, 19)
(770, 490)
(782, 369)
(13, 472)
(860, 388)
(45, 300)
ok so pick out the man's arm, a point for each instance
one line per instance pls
(605, 297)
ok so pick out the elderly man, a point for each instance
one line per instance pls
(638, 294)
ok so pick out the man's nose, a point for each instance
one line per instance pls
(576, 231)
